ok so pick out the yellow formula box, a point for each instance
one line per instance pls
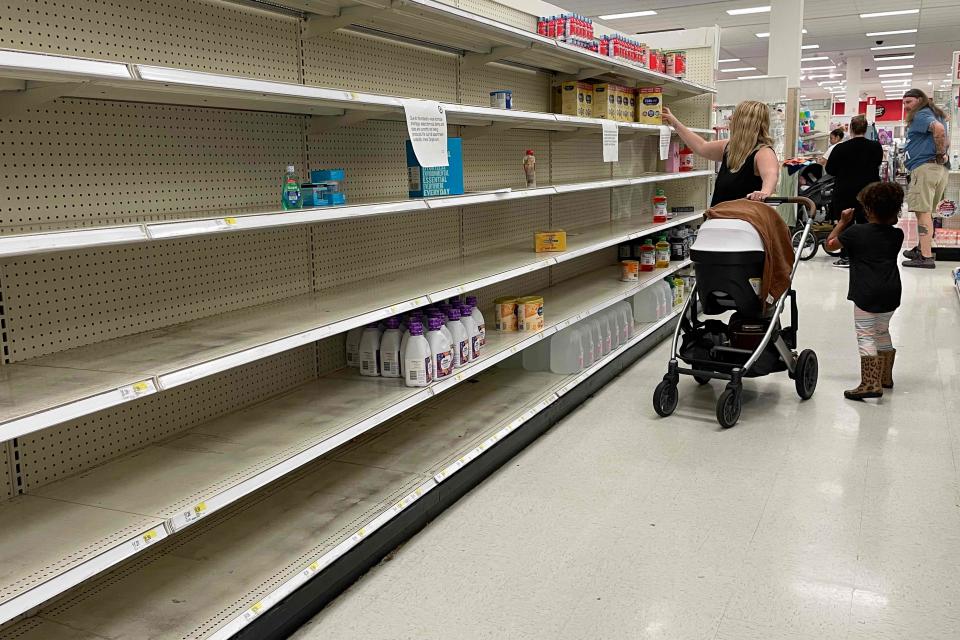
(546, 241)
(604, 102)
(650, 105)
(577, 99)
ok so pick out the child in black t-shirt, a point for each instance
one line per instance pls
(874, 282)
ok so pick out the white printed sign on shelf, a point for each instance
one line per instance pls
(427, 127)
(611, 141)
(664, 142)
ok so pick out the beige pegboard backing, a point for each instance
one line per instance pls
(578, 266)
(6, 486)
(637, 154)
(218, 37)
(500, 12)
(694, 192)
(351, 250)
(58, 301)
(572, 210)
(695, 112)
(76, 163)
(578, 159)
(331, 353)
(531, 89)
(487, 227)
(494, 160)
(633, 203)
(78, 445)
(352, 61)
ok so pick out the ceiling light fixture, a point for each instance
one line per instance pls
(814, 58)
(824, 75)
(890, 33)
(894, 67)
(895, 56)
(830, 82)
(896, 75)
(823, 68)
(748, 10)
(893, 46)
(809, 46)
(629, 14)
(729, 60)
(881, 14)
(739, 69)
(751, 77)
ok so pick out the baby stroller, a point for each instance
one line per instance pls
(818, 187)
(728, 258)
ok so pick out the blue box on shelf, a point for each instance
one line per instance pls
(327, 175)
(437, 181)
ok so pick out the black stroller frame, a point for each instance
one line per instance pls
(775, 352)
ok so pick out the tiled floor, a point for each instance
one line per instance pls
(820, 520)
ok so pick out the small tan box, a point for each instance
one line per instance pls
(577, 99)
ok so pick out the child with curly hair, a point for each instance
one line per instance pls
(874, 287)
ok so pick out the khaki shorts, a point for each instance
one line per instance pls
(928, 184)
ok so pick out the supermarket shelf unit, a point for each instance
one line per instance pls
(173, 485)
(172, 369)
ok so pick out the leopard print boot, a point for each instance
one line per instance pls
(887, 358)
(871, 373)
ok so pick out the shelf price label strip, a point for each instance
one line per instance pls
(319, 564)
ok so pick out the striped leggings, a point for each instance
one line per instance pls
(873, 331)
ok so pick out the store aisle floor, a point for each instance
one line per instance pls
(820, 520)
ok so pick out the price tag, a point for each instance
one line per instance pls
(225, 223)
(138, 389)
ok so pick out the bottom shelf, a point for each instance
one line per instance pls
(213, 580)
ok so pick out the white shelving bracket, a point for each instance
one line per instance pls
(36, 93)
(318, 25)
(477, 60)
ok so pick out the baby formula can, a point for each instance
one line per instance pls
(502, 99)
(530, 313)
(629, 270)
(506, 313)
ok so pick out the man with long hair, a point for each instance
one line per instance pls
(926, 154)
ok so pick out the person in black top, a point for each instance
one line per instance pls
(875, 287)
(749, 166)
(854, 164)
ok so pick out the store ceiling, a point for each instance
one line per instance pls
(835, 25)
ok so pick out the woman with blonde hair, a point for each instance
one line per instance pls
(749, 166)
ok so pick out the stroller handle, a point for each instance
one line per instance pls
(809, 204)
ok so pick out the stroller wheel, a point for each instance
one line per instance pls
(809, 248)
(701, 380)
(728, 407)
(805, 377)
(832, 254)
(665, 398)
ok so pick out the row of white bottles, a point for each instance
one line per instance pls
(454, 333)
(580, 345)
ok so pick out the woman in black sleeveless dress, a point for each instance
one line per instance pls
(749, 167)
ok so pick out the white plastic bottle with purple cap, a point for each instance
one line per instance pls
(370, 351)
(417, 359)
(390, 354)
(443, 326)
(478, 318)
(473, 333)
(461, 343)
(440, 347)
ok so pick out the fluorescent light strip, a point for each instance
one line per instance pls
(881, 14)
(824, 75)
(740, 69)
(905, 56)
(766, 34)
(729, 60)
(629, 14)
(893, 46)
(894, 67)
(748, 10)
(751, 77)
(814, 58)
(896, 75)
(890, 33)
(830, 82)
(823, 68)
(806, 47)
